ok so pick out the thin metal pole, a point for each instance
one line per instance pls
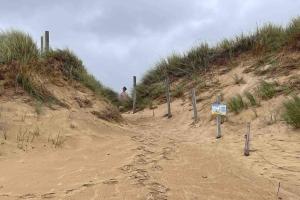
(134, 95)
(168, 97)
(194, 105)
(218, 119)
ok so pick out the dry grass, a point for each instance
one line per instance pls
(26, 137)
(57, 141)
(109, 114)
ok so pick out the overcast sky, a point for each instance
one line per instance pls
(117, 39)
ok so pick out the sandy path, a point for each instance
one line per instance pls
(151, 158)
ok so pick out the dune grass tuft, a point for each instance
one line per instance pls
(251, 99)
(236, 104)
(266, 40)
(291, 113)
(266, 90)
(17, 46)
(73, 68)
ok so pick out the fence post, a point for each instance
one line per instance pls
(168, 97)
(134, 95)
(247, 140)
(194, 105)
(42, 44)
(218, 119)
(47, 45)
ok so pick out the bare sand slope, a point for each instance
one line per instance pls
(187, 162)
(148, 157)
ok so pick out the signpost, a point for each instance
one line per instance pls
(219, 110)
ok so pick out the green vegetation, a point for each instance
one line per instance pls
(72, 67)
(251, 99)
(266, 90)
(17, 46)
(178, 91)
(266, 40)
(27, 66)
(236, 104)
(291, 114)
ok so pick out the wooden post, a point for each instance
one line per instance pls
(218, 119)
(42, 44)
(247, 140)
(168, 97)
(194, 105)
(47, 45)
(134, 95)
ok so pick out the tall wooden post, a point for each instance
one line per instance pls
(47, 45)
(42, 44)
(134, 95)
(168, 97)
(218, 119)
(194, 105)
(247, 141)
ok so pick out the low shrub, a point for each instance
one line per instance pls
(251, 99)
(266, 90)
(236, 104)
(291, 113)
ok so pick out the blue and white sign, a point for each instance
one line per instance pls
(218, 109)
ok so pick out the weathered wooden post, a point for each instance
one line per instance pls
(47, 45)
(194, 105)
(218, 119)
(134, 95)
(247, 140)
(42, 44)
(168, 97)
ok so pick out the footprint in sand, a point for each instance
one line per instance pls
(140, 176)
(111, 181)
(48, 195)
(157, 191)
(140, 159)
(27, 196)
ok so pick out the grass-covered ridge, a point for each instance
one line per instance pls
(17, 46)
(22, 65)
(266, 40)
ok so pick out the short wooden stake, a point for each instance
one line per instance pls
(134, 95)
(168, 97)
(42, 44)
(247, 141)
(47, 45)
(218, 119)
(194, 105)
